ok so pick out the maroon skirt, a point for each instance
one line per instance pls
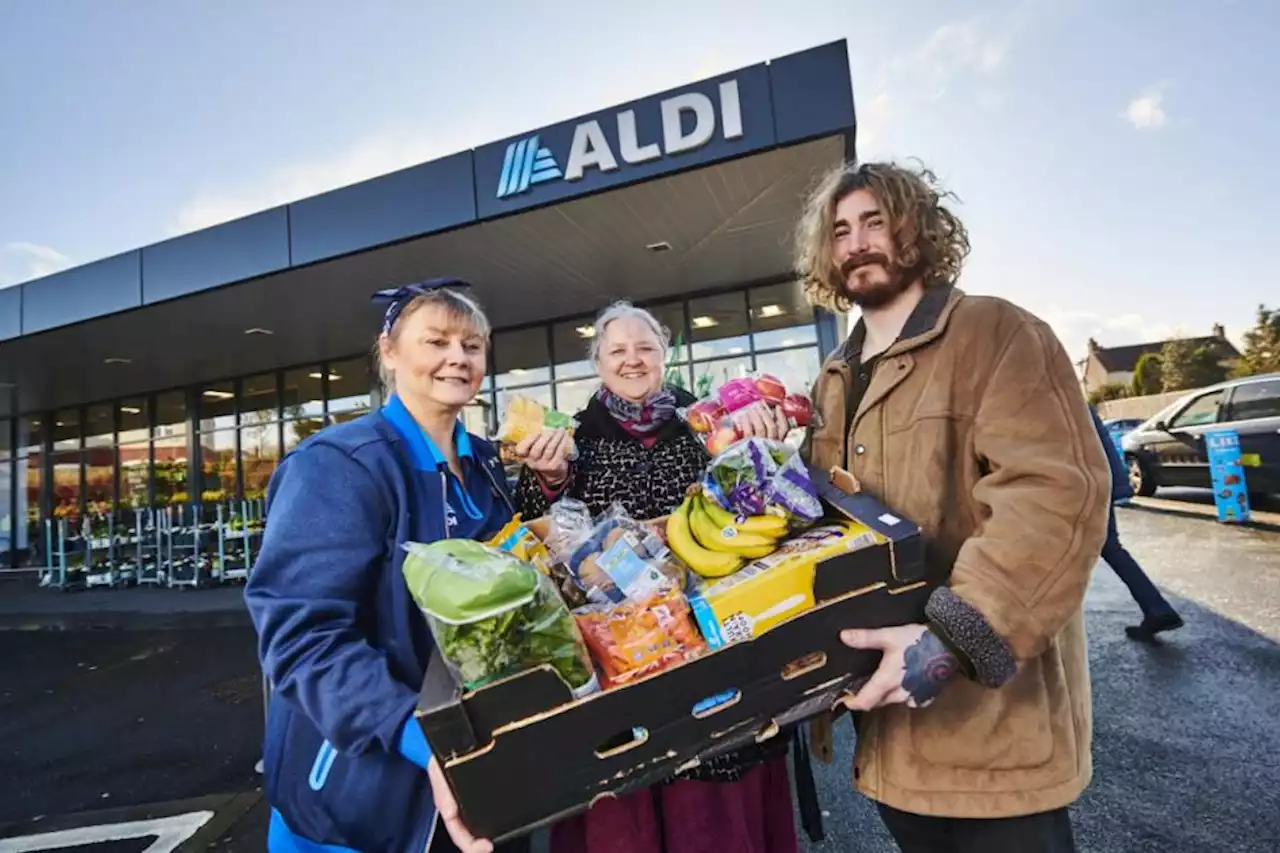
(753, 815)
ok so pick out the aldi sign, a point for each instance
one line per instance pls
(698, 124)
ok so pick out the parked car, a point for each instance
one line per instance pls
(1169, 449)
(1122, 426)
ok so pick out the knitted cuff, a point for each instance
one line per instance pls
(964, 628)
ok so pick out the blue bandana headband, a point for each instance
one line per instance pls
(399, 297)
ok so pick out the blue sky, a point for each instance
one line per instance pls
(1111, 157)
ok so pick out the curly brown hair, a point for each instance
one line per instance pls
(930, 239)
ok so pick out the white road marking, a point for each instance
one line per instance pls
(169, 832)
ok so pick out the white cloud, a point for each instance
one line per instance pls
(958, 55)
(21, 261)
(369, 157)
(874, 116)
(1146, 112)
(1075, 327)
(952, 50)
(395, 148)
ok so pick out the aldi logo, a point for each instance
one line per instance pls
(688, 121)
(527, 163)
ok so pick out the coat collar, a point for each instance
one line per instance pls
(426, 456)
(927, 322)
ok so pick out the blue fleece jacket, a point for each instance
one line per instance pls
(1120, 488)
(340, 637)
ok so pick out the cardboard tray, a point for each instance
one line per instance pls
(521, 753)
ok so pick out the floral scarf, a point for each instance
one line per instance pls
(641, 420)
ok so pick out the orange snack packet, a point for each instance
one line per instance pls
(637, 638)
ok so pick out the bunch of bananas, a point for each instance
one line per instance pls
(713, 543)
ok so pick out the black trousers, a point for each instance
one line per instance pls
(1144, 592)
(1047, 832)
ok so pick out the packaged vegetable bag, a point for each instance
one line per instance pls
(493, 615)
(757, 476)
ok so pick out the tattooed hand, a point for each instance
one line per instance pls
(915, 667)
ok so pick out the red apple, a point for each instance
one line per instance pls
(726, 433)
(771, 389)
(702, 415)
(798, 408)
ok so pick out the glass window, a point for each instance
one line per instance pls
(520, 357)
(172, 484)
(217, 407)
(218, 465)
(259, 454)
(710, 375)
(780, 316)
(66, 485)
(297, 430)
(134, 421)
(797, 368)
(570, 341)
(1202, 410)
(678, 375)
(135, 471)
(304, 392)
(30, 436)
(99, 479)
(671, 316)
(259, 399)
(718, 325)
(350, 389)
(6, 439)
(99, 426)
(31, 471)
(572, 396)
(1255, 400)
(540, 393)
(475, 418)
(171, 414)
(6, 511)
(66, 430)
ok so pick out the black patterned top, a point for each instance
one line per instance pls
(650, 482)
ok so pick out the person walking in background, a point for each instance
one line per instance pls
(1158, 614)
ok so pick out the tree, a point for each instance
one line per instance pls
(1110, 391)
(1187, 364)
(1148, 375)
(1261, 345)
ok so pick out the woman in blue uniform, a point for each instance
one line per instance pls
(340, 637)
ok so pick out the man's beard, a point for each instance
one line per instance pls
(879, 293)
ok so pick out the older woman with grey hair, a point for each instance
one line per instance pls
(634, 450)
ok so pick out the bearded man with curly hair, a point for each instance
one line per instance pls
(964, 414)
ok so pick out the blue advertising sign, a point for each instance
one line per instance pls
(1230, 492)
(723, 117)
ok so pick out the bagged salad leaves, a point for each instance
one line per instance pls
(758, 476)
(493, 615)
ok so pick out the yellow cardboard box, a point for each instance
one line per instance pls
(772, 589)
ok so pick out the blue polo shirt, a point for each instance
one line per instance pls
(472, 510)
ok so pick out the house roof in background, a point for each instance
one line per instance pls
(1125, 358)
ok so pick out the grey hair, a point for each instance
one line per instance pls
(461, 310)
(619, 310)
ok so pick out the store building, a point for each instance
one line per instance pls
(181, 372)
